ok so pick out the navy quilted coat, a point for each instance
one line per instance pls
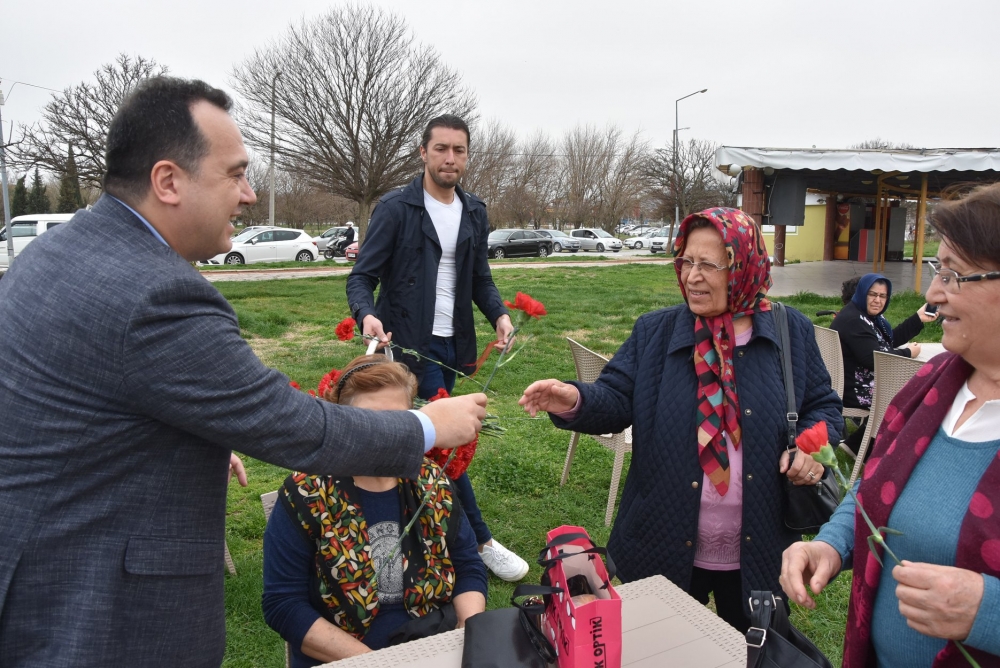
(650, 383)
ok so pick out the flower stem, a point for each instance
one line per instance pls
(879, 539)
(965, 653)
(414, 353)
(871, 525)
(503, 352)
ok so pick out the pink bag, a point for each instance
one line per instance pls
(584, 619)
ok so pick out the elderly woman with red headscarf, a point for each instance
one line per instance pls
(701, 385)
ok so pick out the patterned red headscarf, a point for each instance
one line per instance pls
(714, 338)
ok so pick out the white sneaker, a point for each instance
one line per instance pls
(505, 564)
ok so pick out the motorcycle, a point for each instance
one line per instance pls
(336, 248)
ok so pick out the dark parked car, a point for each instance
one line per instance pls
(516, 243)
(561, 241)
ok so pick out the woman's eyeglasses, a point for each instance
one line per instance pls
(951, 281)
(878, 295)
(684, 265)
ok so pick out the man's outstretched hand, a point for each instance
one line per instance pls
(457, 420)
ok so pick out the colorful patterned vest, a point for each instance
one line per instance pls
(326, 511)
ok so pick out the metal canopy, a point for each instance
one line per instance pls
(856, 172)
(878, 174)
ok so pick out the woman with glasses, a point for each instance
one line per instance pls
(702, 387)
(863, 330)
(933, 478)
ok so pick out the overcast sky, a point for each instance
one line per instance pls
(779, 73)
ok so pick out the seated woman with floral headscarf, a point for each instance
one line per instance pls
(334, 583)
(863, 330)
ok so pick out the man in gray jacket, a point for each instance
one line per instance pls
(126, 385)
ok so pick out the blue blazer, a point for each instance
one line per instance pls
(125, 385)
(651, 384)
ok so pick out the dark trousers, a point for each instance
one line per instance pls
(437, 377)
(728, 589)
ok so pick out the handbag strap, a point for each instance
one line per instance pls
(762, 606)
(528, 613)
(547, 563)
(593, 553)
(784, 342)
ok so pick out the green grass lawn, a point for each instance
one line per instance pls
(290, 324)
(930, 248)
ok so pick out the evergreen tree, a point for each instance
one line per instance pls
(19, 202)
(38, 201)
(70, 198)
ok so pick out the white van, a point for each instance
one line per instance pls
(25, 229)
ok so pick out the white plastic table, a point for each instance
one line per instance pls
(661, 626)
(929, 350)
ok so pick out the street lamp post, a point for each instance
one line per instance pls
(270, 206)
(6, 201)
(677, 206)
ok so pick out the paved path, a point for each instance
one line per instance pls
(823, 278)
(344, 269)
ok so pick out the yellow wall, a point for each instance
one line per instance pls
(806, 245)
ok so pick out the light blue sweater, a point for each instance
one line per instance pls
(929, 512)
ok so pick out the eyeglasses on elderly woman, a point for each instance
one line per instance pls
(951, 281)
(685, 265)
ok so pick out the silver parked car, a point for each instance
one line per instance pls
(561, 241)
(641, 241)
(594, 238)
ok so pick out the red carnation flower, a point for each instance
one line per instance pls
(328, 382)
(294, 384)
(813, 439)
(345, 330)
(528, 304)
(441, 394)
(459, 463)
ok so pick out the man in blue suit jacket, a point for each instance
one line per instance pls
(126, 385)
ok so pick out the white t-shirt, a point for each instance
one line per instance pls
(446, 219)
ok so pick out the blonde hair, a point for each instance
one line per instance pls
(370, 373)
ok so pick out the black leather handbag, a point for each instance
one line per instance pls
(807, 507)
(509, 637)
(772, 642)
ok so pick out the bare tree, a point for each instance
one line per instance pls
(352, 94)
(603, 176)
(257, 178)
(533, 184)
(491, 162)
(79, 117)
(626, 181)
(882, 144)
(691, 181)
(584, 163)
(296, 203)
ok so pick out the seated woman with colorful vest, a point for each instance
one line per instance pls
(334, 584)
